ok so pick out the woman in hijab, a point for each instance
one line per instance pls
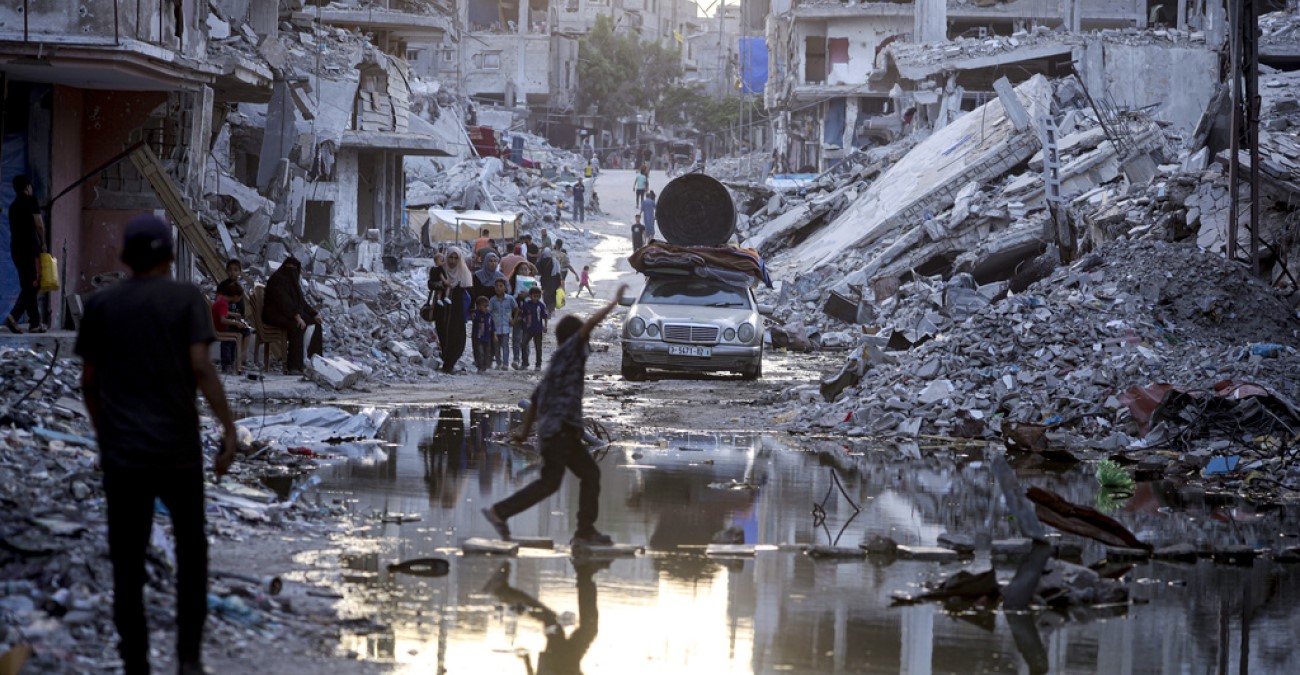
(285, 307)
(548, 268)
(485, 277)
(449, 320)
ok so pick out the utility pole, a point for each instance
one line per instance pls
(1244, 41)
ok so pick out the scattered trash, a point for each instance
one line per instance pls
(1054, 510)
(422, 567)
(1219, 466)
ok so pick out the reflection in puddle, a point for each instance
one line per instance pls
(677, 610)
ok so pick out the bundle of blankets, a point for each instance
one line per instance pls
(724, 263)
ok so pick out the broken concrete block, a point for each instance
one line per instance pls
(960, 543)
(256, 230)
(483, 546)
(1011, 549)
(366, 287)
(879, 545)
(362, 313)
(936, 391)
(403, 350)
(928, 553)
(836, 552)
(334, 372)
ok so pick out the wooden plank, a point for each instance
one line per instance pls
(146, 162)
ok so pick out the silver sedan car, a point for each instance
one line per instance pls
(693, 324)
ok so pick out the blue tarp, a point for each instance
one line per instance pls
(12, 163)
(753, 64)
(833, 133)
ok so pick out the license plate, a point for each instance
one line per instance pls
(683, 350)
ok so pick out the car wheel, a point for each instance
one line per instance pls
(631, 371)
(755, 372)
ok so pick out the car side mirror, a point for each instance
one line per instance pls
(766, 310)
(626, 302)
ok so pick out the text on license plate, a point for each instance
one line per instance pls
(683, 350)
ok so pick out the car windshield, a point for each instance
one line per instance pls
(695, 293)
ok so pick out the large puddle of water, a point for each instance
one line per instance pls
(674, 610)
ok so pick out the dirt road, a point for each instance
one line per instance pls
(664, 400)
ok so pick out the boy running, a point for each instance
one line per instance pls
(556, 406)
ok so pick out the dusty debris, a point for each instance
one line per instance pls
(53, 542)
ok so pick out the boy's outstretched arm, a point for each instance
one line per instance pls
(600, 314)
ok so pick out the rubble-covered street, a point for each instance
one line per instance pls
(961, 335)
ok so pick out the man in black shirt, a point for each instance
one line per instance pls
(556, 405)
(144, 345)
(26, 244)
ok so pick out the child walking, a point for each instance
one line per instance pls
(503, 309)
(534, 315)
(584, 281)
(556, 407)
(484, 334)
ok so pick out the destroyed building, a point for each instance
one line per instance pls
(511, 54)
(85, 82)
(845, 76)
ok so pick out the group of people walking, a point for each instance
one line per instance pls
(507, 301)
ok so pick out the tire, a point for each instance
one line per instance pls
(631, 371)
(755, 372)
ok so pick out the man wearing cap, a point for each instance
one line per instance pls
(144, 345)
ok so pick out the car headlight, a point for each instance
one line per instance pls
(652, 330)
(636, 326)
(746, 332)
(729, 334)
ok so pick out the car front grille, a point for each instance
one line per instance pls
(676, 332)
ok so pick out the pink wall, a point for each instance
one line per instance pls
(94, 126)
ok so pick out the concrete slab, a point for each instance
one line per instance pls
(483, 546)
(543, 543)
(928, 553)
(611, 551)
(979, 145)
(832, 552)
(730, 550)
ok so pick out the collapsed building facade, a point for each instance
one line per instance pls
(262, 129)
(1050, 251)
(844, 76)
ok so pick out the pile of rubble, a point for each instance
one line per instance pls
(56, 596)
(969, 204)
(1062, 353)
(491, 184)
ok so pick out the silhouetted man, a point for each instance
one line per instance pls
(26, 244)
(144, 348)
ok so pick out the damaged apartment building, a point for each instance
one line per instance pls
(260, 126)
(506, 54)
(846, 76)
